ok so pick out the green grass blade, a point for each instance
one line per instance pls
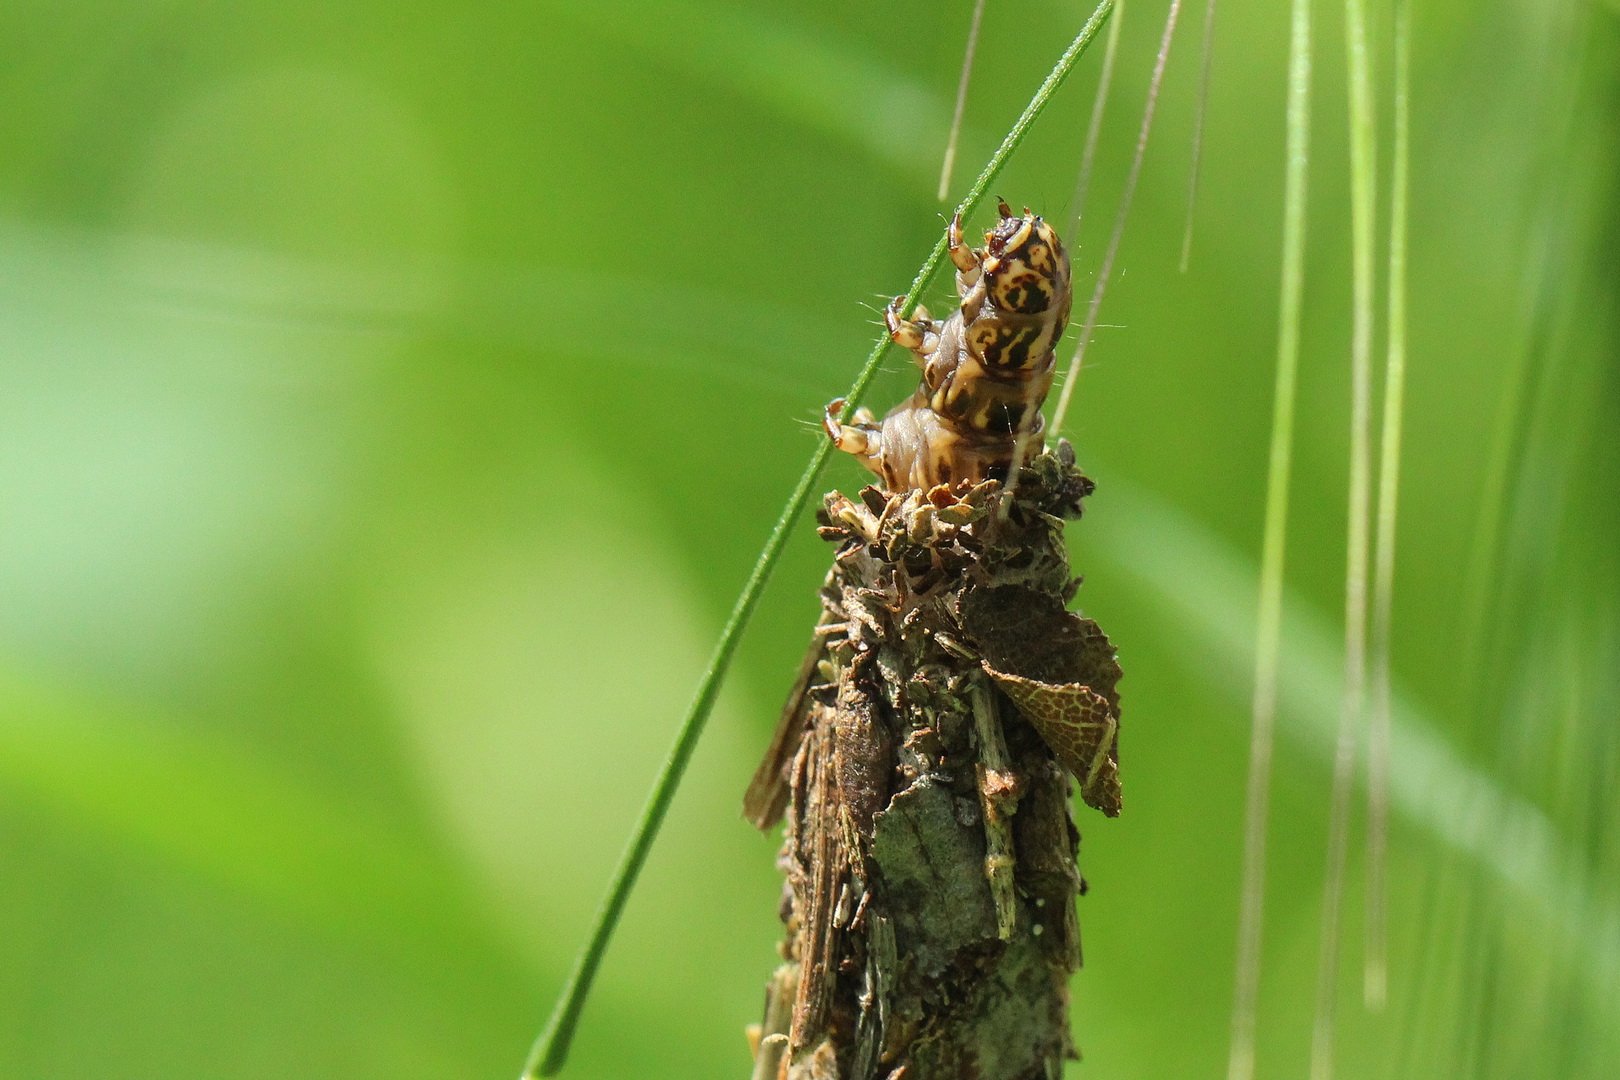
(1200, 113)
(1104, 274)
(1099, 105)
(1268, 635)
(550, 1050)
(949, 165)
(1362, 210)
(1375, 975)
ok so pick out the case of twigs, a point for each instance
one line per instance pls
(948, 705)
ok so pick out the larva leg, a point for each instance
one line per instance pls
(861, 437)
(969, 271)
(918, 333)
(966, 259)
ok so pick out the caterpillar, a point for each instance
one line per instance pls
(985, 370)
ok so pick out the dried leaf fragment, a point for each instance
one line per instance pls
(1060, 670)
(1080, 726)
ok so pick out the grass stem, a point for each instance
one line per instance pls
(1201, 111)
(1375, 975)
(1120, 216)
(1268, 633)
(1363, 200)
(949, 165)
(1099, 105)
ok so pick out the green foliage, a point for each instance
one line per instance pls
(394, 398)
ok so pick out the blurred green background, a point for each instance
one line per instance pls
(393, 398)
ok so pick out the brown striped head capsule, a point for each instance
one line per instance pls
(1025, 269)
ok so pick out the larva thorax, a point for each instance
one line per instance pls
(986, 369)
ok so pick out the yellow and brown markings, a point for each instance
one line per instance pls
(986, 369)
(1007, 347)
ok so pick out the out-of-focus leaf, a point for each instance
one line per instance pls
(829, 85)
(143, 783)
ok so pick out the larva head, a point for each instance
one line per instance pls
(1025, 268)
